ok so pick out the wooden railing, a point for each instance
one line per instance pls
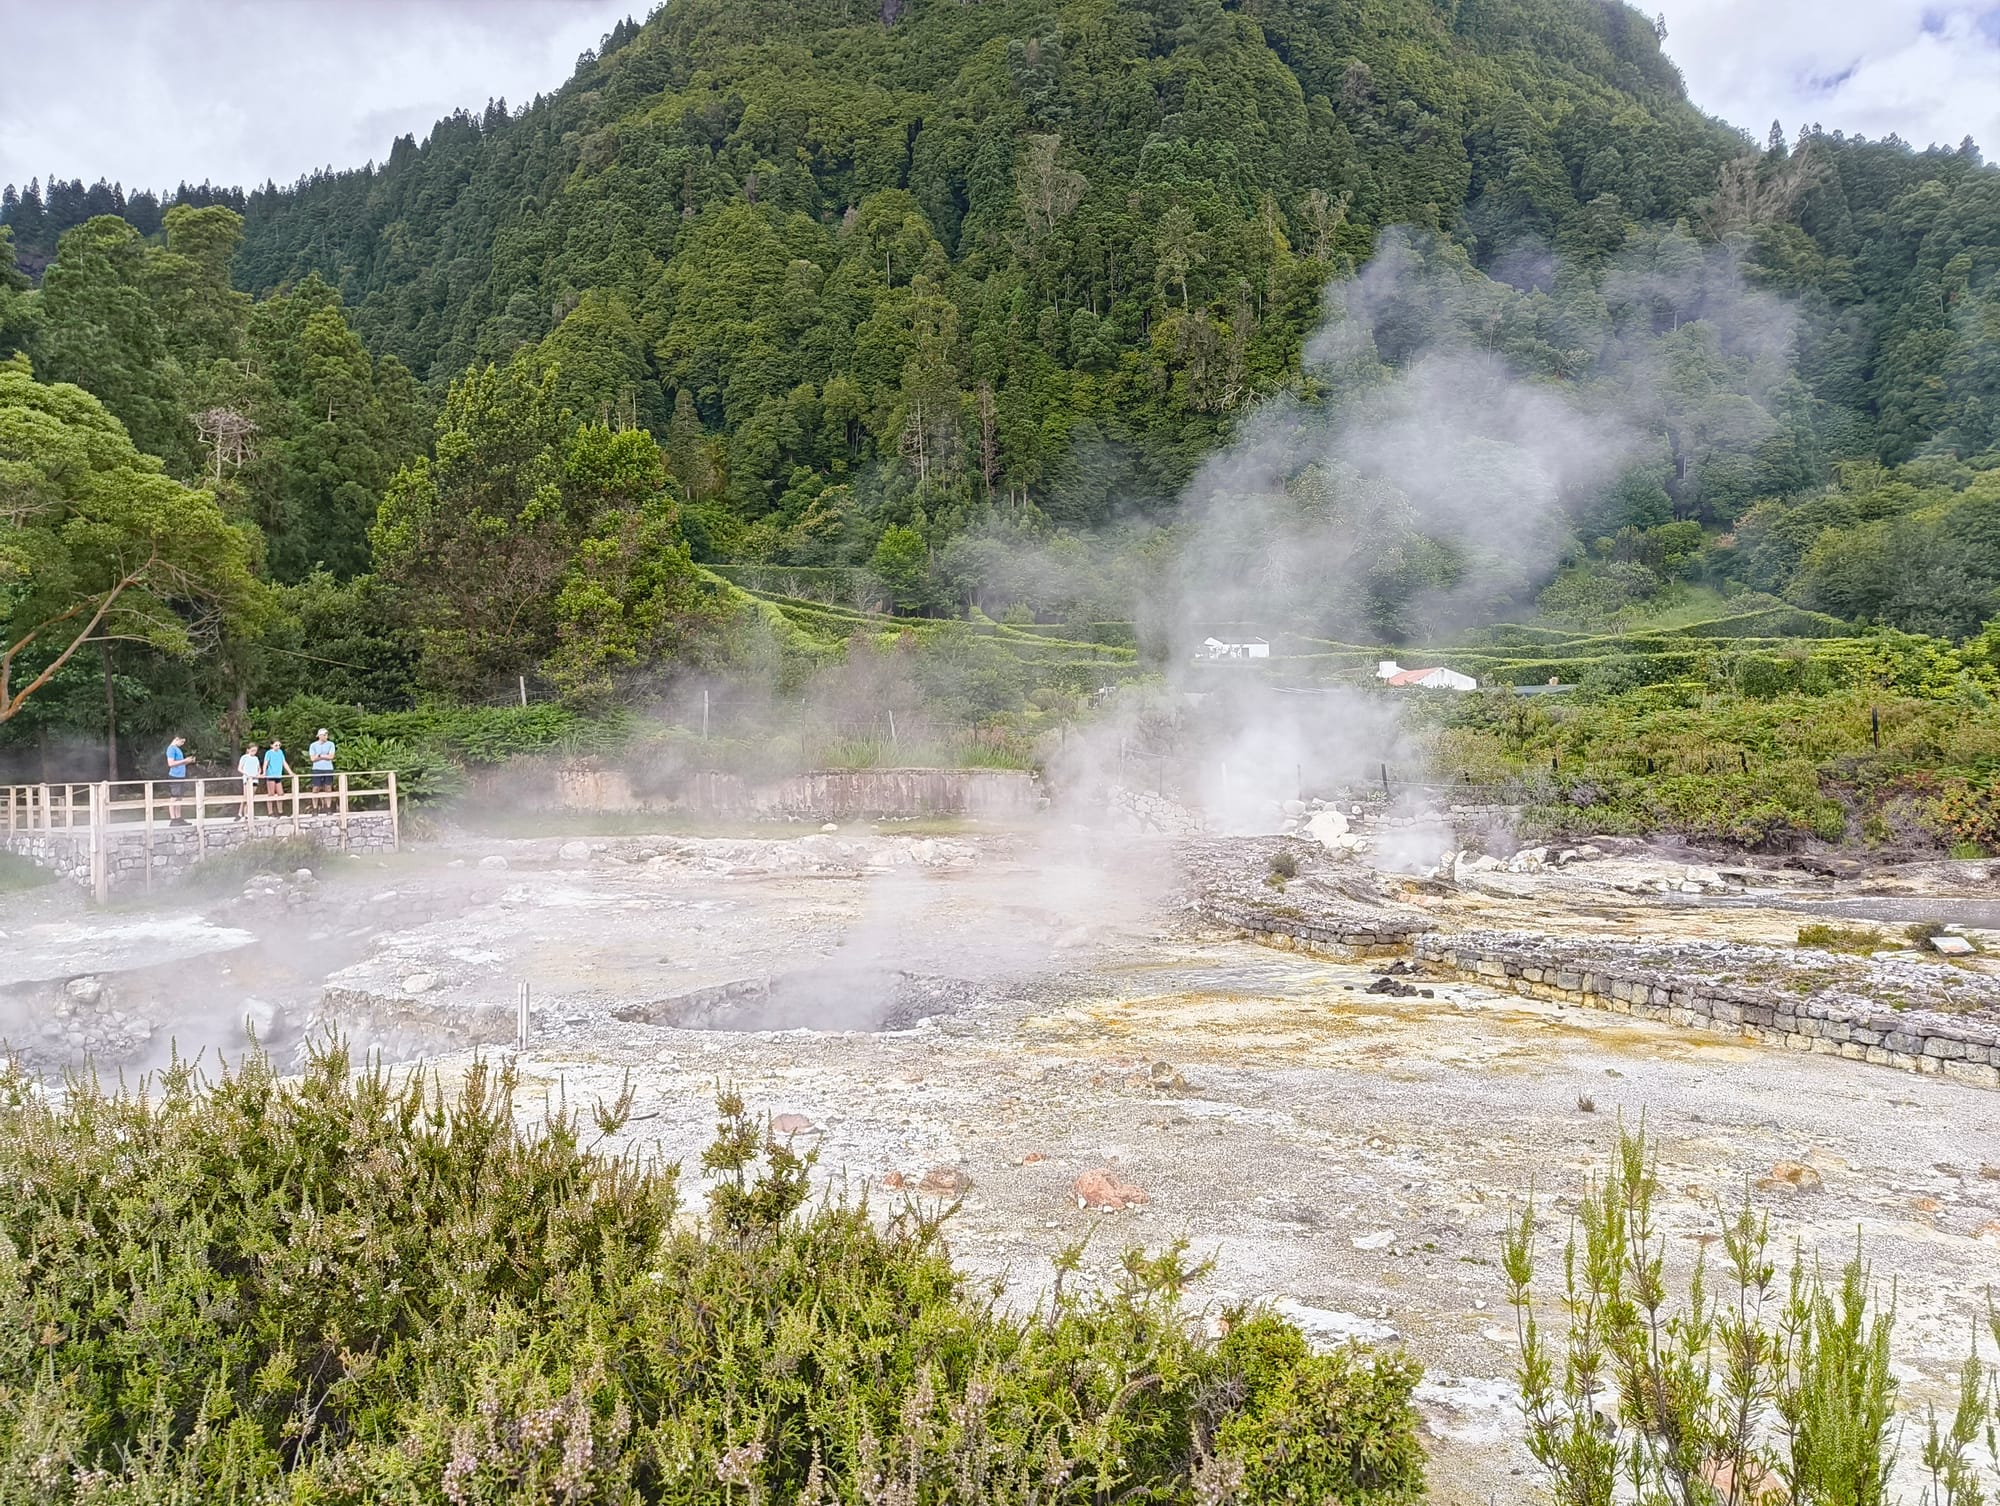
(151, 804)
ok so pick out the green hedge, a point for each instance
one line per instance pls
(339, 1288)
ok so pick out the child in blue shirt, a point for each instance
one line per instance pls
(177, 773)
(275, 768)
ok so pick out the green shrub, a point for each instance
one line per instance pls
(347, 1288)
(17, 872)
(1743, 1392)
(1858, 939)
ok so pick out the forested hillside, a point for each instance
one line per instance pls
(909, 299)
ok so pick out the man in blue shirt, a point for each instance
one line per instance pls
(275, 768)
(322, 752)
(177, 773)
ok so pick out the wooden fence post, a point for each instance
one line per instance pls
(149, 828)
(200, 813)
(340, 786)
(100, 867)
(395, 816)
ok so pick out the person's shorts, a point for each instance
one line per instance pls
(322, 779)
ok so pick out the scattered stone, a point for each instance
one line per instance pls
(493, 860)
(302, 875)
(831, 826)
(1951, 946)
(1163, 1077)
(85, 990)
(1030, 1158)
(894, 1180)
(791, 1124)
(569, 852)
(419, 983)
(1706, 878)
(1103, 1190)
(1792, 1176)
(1381, 1239)
(1395, 989)
(945, 1181)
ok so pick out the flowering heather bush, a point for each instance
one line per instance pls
(348, 1288)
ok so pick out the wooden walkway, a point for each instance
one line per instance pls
(102, 829)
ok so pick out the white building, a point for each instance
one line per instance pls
(1391, 673)
(1249, 648)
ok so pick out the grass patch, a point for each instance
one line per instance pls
(231, 867)
(352, 1288)
(18, 874)
(1859, 940)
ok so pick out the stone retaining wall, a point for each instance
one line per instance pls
(819, 795)
(1964, 1048)
(1924, 1041)
(133, 860)
(1347, 936)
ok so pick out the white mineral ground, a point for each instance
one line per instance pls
(1350, 1157)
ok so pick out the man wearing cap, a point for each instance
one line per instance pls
(322, 752)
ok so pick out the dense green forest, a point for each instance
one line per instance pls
(939, 307)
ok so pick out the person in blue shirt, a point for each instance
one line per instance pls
(275, 768)
(322, 752)
(177, 773)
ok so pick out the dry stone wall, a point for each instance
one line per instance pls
(1919, 1017)
(133, 858)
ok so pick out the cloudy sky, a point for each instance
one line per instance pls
(149, 92)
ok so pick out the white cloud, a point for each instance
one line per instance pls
(150, 92)
(1925, 72)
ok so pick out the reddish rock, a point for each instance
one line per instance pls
(1032, 1158)
(893, 1179)
(1102, 1189)
(1792, 1176)
(791, 1124)
(944, 1181)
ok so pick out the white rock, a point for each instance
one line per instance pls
(259, 1015)
(456, 863)
(1586, 852)
(1326, 828)
(831, 826)
(419, 983)
(1354, 810)
(569, 852)
(302, 875)
(1703, 876)
(1951, 946)
(1331, 1327)
(493, 861)
(1381, 1239)
(85, 990)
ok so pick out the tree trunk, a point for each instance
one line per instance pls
(110, 718)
